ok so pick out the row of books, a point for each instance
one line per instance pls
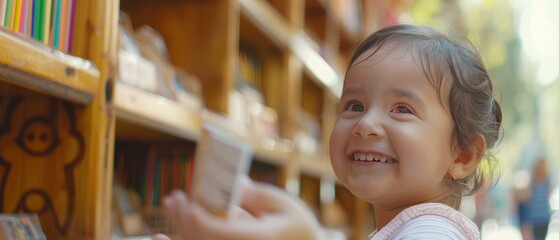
(154, 170)
(50, 22)
(263, 172)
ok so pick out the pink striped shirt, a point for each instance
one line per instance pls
(428, 221)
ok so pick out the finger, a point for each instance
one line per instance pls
(179, 209)
(259, 198)
(160, 236)
(197, 223)
(205, 225)
(173, 204)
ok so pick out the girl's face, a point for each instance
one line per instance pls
(391, 144)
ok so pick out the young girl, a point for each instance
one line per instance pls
(416, 119)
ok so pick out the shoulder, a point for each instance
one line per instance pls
(430, 227)
(427, 218)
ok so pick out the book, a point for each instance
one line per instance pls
(128, 211)
(9, 16)
(221, 161)
(63, 18)
(55, 24)
(29, 18)
(38, 19)
(154, 170)
(3, 4)
(20, 226)
(47, 13)
(70, 27)
(16, 15)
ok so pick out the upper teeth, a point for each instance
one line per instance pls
(372, 158)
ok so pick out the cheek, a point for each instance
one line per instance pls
(421, 145)
(338, 137)
(334, 142)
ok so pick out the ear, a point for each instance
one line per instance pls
(468, 159)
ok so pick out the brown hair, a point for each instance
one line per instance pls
(473, 107)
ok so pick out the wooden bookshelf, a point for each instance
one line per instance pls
(56, 124)
(295, 76)
(32, 65)
(75, 95)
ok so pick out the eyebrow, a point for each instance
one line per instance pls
(407, 93)
(351, 90)
(394, 91)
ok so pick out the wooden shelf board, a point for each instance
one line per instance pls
(270, 22)
(317, 165)
(264, 150)
(319, 70)
(155, 112)
(133, 131)
(268, 151)
(32, 65)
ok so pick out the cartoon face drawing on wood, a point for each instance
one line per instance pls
(40, 147)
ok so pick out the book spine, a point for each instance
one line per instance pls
(70, 27)
(17, 15)
(29, 18)
(8, 18)
(55, 24)
(47, 11)
(62, 25)
(3, 10)
(33, 18)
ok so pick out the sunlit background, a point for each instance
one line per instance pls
(519, 42)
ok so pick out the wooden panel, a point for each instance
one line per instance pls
(101, 37)
(296, 13)
(362, 218)
(53, 154)
(32, 65)
(315, 20)
(313, 97)
(310, 193)
(43, 152)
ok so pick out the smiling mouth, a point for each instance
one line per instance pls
(364, 157)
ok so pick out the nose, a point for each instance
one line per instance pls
(369, 125)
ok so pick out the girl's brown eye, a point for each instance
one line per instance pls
(354, 106)
(403, 109)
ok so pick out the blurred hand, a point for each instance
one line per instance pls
(275, 215)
